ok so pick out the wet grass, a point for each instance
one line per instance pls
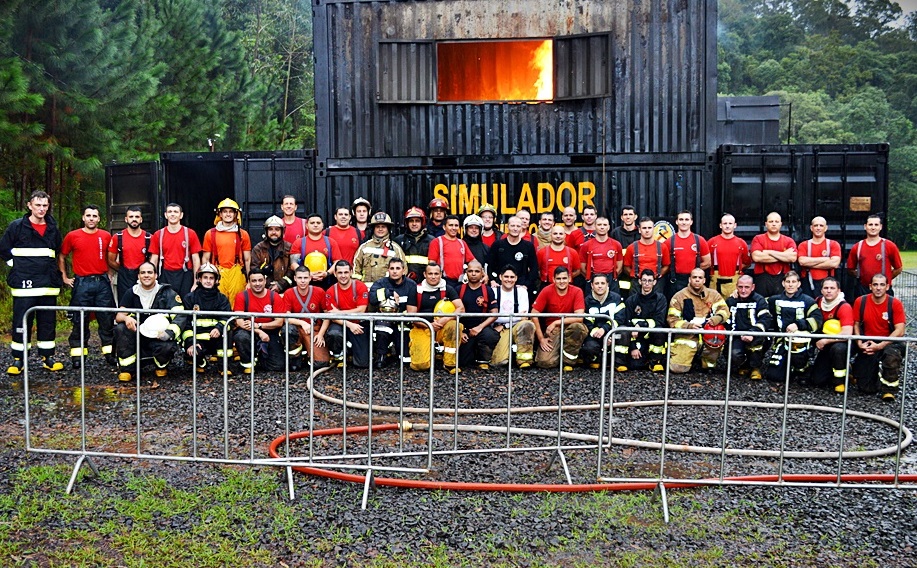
(241, 517)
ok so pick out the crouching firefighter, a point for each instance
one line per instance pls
(204, 333)
(159, 333)
(696, 307)
(794, 312)
(258, 340)
(435, 296)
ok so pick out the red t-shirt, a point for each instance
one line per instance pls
(575, 239)
(227, 245)
(764, 242)
(875, 316)
(728, 254)
(354, 297)
(549, 259)
(827, 248)
(601, 257)
(40, 229)
(294, 231)
(490, 239)
(451, 254)
(306, 245)
(312, 302)
(260, 305)
(686, 252)
(548, 301)
(89, 256)
(348, 241)
(842, 312)
(133, 249)
(174, 246)
(648, 258)
(869, 260)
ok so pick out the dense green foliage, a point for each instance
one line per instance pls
(849, 70)
(87, 82)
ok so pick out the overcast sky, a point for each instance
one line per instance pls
(908, 5)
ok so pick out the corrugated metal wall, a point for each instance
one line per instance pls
(662, 71)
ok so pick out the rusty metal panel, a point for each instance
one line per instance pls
(661, 66)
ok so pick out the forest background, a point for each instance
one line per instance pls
(89, 82)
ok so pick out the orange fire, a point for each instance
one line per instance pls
(495, 71)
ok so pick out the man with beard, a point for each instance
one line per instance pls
(157, 343)
(489, 233)
(204, 333)
(392, 294)
(228, 247)
(692, 308)
(559, 298)
(361, 208)
(415, 242)
(793, 312)
(346, 297)
(307, 299)
(478, 337)
(430, 293)
(91, 287)
(267, 330)
(513, 251)
(877, 364)
(748, 312)
(473, 226)
(30, 245)
(645, 308)
(830, 365)
(175, 250)
(372, 258)
(450, 252)
(438, 210)
(129, 249)
(324, 252)
(600, 302)
(272, 256)
(602, 255)
(729, 256)
(543, 232)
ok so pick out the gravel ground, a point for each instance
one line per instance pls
(857, 523)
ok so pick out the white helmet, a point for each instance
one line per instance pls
(473, 220)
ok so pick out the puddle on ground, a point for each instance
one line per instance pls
(94, 396)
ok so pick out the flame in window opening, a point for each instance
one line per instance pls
(512, 70)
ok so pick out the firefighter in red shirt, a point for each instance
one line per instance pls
(307, 299)
(129, 249)
(773, 255)
(175, 251)
(602, 255)
(818, 257)
(91, 286)
(316, 241)
(450, 252)
(687, 251)
(294, 228)
(646, 253)
(268, 350)
(348, 296)
(344, 234)
(877, 366)
(729, 256)
(830, 365)
(874, 255)
(561, 298)
(557, 253)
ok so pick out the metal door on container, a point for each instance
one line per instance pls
(129, 185)
(755, 185)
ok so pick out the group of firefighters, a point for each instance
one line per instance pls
(509, 290)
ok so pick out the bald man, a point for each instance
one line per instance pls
(818, 258)
(773, 255)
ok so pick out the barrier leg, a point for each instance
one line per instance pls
(290, 488)
(660, 490)
(76, 470)
(368, 483)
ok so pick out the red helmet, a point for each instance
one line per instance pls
(714, 340)
(416, 213)
(438, 204)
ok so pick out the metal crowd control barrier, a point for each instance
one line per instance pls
(403, 423)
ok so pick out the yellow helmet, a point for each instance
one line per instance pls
(316, 261)
(444, 306)
(228, 203)
(832, 326)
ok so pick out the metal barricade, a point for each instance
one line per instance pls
(605, 429)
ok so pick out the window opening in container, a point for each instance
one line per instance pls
(504, 70)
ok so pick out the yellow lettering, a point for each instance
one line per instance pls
(566, 187)
(526, 199)
(440, 191)
(504, 202)
(545, 190)
(466, 202)
(586, 195)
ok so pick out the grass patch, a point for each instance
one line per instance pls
(909, 259)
